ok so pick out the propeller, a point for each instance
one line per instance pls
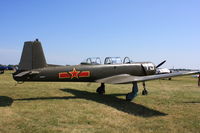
(160, 64)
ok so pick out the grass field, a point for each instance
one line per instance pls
(171, 106)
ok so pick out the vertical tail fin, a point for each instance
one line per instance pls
(32, 56)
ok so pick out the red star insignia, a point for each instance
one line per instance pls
(74, 73)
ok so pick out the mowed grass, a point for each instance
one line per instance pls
(171, 106)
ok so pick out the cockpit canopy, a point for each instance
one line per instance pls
(117, 60)
(108, 60)
(127, 60)
(113, 60)
(92, 61)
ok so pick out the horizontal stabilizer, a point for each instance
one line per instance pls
(26, 73)
(53, 65)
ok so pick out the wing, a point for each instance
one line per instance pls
(126, 78)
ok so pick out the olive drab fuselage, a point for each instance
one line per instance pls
(88, 73)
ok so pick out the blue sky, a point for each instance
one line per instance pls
(72, 30)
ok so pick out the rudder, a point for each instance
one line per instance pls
(32, 56)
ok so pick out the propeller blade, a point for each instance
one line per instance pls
(160, 64)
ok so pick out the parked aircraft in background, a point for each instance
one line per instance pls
(2, 69)
(9, 67)
(163, 71)
(195, 76)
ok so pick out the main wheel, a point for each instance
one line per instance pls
(100, 90)
(144, 92)
(129, 97)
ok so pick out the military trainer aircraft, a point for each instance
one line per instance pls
(33, 67)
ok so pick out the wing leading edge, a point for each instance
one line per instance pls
(126, 78)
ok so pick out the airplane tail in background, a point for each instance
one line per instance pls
(32, 56)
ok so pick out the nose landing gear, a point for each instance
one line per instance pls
(144, 92)
(101, 89)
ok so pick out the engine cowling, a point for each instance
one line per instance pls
(148, 68)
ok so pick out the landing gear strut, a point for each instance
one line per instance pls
(130, 96)
(144, 92)
(1, 71)
(101, 89)
(199, 80)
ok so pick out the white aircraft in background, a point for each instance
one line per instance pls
(163, 70)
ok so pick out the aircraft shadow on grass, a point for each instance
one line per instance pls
(193, 102)
(113, 101)
(5, 101)
(110, 100)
